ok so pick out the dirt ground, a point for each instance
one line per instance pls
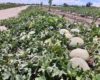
(11, 12)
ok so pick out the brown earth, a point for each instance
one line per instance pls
(11, 12)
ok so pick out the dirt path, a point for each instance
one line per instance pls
(74, 18)
(11, 12)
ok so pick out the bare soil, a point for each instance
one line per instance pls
(11, 12)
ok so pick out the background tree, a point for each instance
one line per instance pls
(65, 4)
(54, 5)
(89, 4)
(50, 4)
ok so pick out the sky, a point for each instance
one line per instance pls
(70, 2)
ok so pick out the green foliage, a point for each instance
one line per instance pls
(82, 10)
(33, 49)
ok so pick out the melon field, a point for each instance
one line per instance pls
(41, 46)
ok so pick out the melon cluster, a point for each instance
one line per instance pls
(79, 57)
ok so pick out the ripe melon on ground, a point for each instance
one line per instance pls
(79, 53)
(66, 33)
(3, 28)
(76, 41)
(78, 62)
(63, 31)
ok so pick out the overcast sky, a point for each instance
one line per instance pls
(71, 2)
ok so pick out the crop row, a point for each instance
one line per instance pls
(85, 11)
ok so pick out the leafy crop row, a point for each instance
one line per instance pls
(86, 11)
(24, 55)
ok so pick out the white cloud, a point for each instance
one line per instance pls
(96, 4)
